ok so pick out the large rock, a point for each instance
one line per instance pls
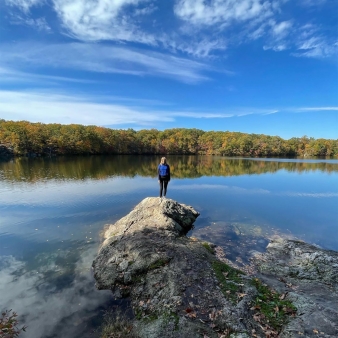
(309, 277)
(178, 287)
(168, 276)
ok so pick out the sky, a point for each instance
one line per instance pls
(254, 66)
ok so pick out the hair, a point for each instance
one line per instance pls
(163, 160)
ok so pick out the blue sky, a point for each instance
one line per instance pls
(255, 66)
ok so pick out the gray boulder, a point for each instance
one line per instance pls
(168, 277)
(181, 287)
(308, 275)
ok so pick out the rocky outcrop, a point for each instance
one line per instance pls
(308, 276)
(169, 277)
(181, 287)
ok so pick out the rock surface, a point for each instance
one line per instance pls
(169, 277)
(309, 276)
(175, 289)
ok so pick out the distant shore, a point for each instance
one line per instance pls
(37, 139)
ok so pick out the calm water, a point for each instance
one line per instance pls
(53, 211)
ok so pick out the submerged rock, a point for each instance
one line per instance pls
(179, 287)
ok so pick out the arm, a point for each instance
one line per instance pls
(169, 172)
(158, 172)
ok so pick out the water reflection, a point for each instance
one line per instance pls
(53, 210)
(102, 167)
(53, 293)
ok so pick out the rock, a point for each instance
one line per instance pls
(168, 277)
(309, 276)
(181, 287)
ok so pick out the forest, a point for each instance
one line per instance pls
(24, 138)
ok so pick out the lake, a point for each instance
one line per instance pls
(53, 212)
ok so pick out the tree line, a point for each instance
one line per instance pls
(26, 138)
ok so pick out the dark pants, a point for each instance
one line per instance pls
(163, 184)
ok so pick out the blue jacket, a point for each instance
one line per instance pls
(167, 176)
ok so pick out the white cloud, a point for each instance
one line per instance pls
(305, 194)
(104, 110)
(24, 5)
(8, 75)
(101, 20)
(200, 12)
(39, 23)
(204, 29)
(244, 20)
(90, 20)
(310, 42)
(102, 59)
(316, 47)
(281, 29)
(146, 10)
(305, 109)
(303, 40)
(312, 2)
(279, 35)
(71, 109)
(201, 48)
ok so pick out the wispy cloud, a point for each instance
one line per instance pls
(62, 108)
(102, 20)
(316, 47)
(112, 111)
(67, 109)
(278, 38)
(39, 24)
(309, 109)
(312, 2)
(199, 12)
(103, 59)
(194, 22)
(200, 47)
(8, 75)
(24, 5)
(306, 194)
(246, 20)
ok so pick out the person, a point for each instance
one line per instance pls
(163, 171)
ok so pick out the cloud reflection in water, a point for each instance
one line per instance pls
(49, 307)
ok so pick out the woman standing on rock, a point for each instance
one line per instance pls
(163, 171)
